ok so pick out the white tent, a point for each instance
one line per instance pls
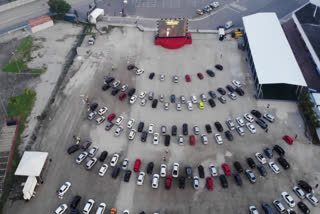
(31, 163)
(92, 17)
(271, 53)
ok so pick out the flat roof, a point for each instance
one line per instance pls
(310, 21)
(172, 27)
(272, 55)
(31, 163)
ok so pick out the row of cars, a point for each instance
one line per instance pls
(299, 190)
(208, 8)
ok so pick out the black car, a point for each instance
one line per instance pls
(151, 75)
(103, 156)
(75, 201)
(108, 126)
(201, 171)
(223, 180)
(262, 170)
(240, 91)
(150, 168)
(305, 186)
(229, 135)
(167, 140)
(188, 171)
(256, 113)
(154, 103)
(174, 130)
(212, 102)
(185, 129)
(251, 163)
(105, 87)
(268, 152)
(221, 91)
(219, 67)
(115, 172)
(303, 207)
(279, 150)
(283, 162)
(182, 182)
(140, 126)
(212, 94)
(115, 91)
(109, 80)
(238, 166)
(127, 175)
(262, 123)
(73, 148)
(86, 144)
(218, 126)
(208, 128)
(144, 136)
(173, 98)
(267, 208)
(131, 92)
(230, 88)
(76, 211)
(93, 106)
(237, 178)
(210, 73)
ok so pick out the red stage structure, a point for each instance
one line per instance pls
(173, 33)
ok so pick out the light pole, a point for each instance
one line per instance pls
(124, 3)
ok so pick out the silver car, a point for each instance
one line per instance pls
(203, 97)
(204, 139)
(116, 83)
(182, 99)
(151, 94)
(196, 182)
(175, 79)
(178, 106)
(162, 77)
(196, 130)
(163, 130)
(166, 106)
(143, 102)
(180, 140)
(161, 97)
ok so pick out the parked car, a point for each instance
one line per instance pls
(209, 183)
(261, 158)
(75, 201)
(204, 139)
(92, 115)
(175, 79)
(137, 164)
(127, 175)
(189, 105)
(218, 138)
(156, 138)
(163, 170)
(111, 117)
(73, 149)
(248, 117)
(274, 167)
(180, 140)
(305, 186)
(240, 121)
(114, 159)
(288, 139)
(166, 106)
(151, 75)
(91, 163)
(175, 170)
(299, 192)
(132, 134)
(150, 96)
(101, 208)
(278, 205)
(268, 152)
(144, 136)
(237, 178)
(63, 189)
(222, 99)
(115, 172)
(256, 113)
(230, 124)
(154, 103)
(224, 181)
(208, 128)
(182, 182)
(212, 103)
(269, 117)
(200, 75)
(239, 91)
(188, 78)
(86, 144)
(162, 77)
(238, 166)
(251, 176)
(131, 92)
(262, 170)
(115, 91)
(150, 168)
(262, 123)
(93, 151)
(140, 126)
(212, 94)
(196, 182)
(213, 170)
(230, 88)
(140, 178)
(185, 129)
(303, 207)
(312, 199)
(201, 171)
(210, 73)
(251, 163)
(102, 111)
(218, 126)
(253, 210)
(173, 98)
(118, 131)
(168, 182)
(105, 87)
(192, 140)
(122, 96)
(219, 67)
(236, 83)
(232, 96)
(81, 157)
(240, 130)
(251, 128)
(133, 99)
(229, 135)
(221, 91)
(103, 169)
(108, 80)
(226, 169)
(163, 130)
(267, 208)
(279, 150)
(288, 199)
(283, 162)
(155, 181)
(174, 130)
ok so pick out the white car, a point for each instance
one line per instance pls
(269, 117)
(248, 117)
(103, 170)
(230, 124)
(236, 83)
(100, 120)
(156, 138)
(93, 151)
(253, 210)
(155, 181)
(163, 170)
(90, 163)
(140, 178)
(213, 170)
(215, 4)
(288, 199)
(180, 140)
(133, 99)
(162, 77)
(251, 128)
(175, 170)
(218, 138)
(63, 189)
(240, 121)
(274, 167)
(189, 104)
(118, 131)
(196, 182)
(312, 199)
(81, 157)
(261, 158)
(143, 102)
(125, 212)
(132, 134)
(114, 159)
(142, 94)
(119, 120)
(125, 164)
(299, 192)
(232, 96)
(240, 130)
(101, 208)
(87, 208)
(124, 87)
(116, 83)
(178, 105)
(61, 209)
(166, 106)
(130, 123)
(92, 115)
(139, 71)
(102, 111)
(150, 129)
(194, 99)
(278, 205)
(204, 139)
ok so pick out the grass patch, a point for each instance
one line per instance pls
(18, 106)
(38, 71)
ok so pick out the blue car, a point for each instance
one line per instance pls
(262, 170)
(267, 208)
(212, 94)
(173, 98)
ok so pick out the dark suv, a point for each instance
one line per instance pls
(103, 156)
(223, 180)
(75, 201)
(256, 113)
(131, 92)
(218, 126)
(305, 186)
(268, 152)
(174, 130)
(140, 126)
(238, 166)
(279, 150)
(150, 168)
(185, 129)
(73, 149)
(251, 163)
(144, 136)
(283, 162)
(201, 171)
(167, 140)
(229, 135)
(262, 123)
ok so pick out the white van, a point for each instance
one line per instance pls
(228, 25)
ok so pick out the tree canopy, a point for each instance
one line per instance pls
(60, 7)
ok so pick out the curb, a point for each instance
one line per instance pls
(14, 4)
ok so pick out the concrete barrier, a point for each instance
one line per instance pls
(15, 4)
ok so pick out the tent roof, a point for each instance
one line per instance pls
(272, 55)
(97, 12)
(31, 163)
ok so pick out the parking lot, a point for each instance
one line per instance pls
(123, 46)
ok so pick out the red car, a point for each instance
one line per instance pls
(188, 78)
(226, 169)
(209, 183)
(200, 75)
(122, 96)
(111, 117)
(168, 182)
(192, 140)
(137, 165)
(288, 139)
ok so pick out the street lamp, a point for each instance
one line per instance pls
(124, 3)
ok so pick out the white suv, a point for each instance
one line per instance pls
(87, 208)
(114, 159)
(175, 170)
(155, 181)
(163, 170)
(101, 208)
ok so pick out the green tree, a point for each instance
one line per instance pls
(60, 7)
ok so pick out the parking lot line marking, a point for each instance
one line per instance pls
(238, 7)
